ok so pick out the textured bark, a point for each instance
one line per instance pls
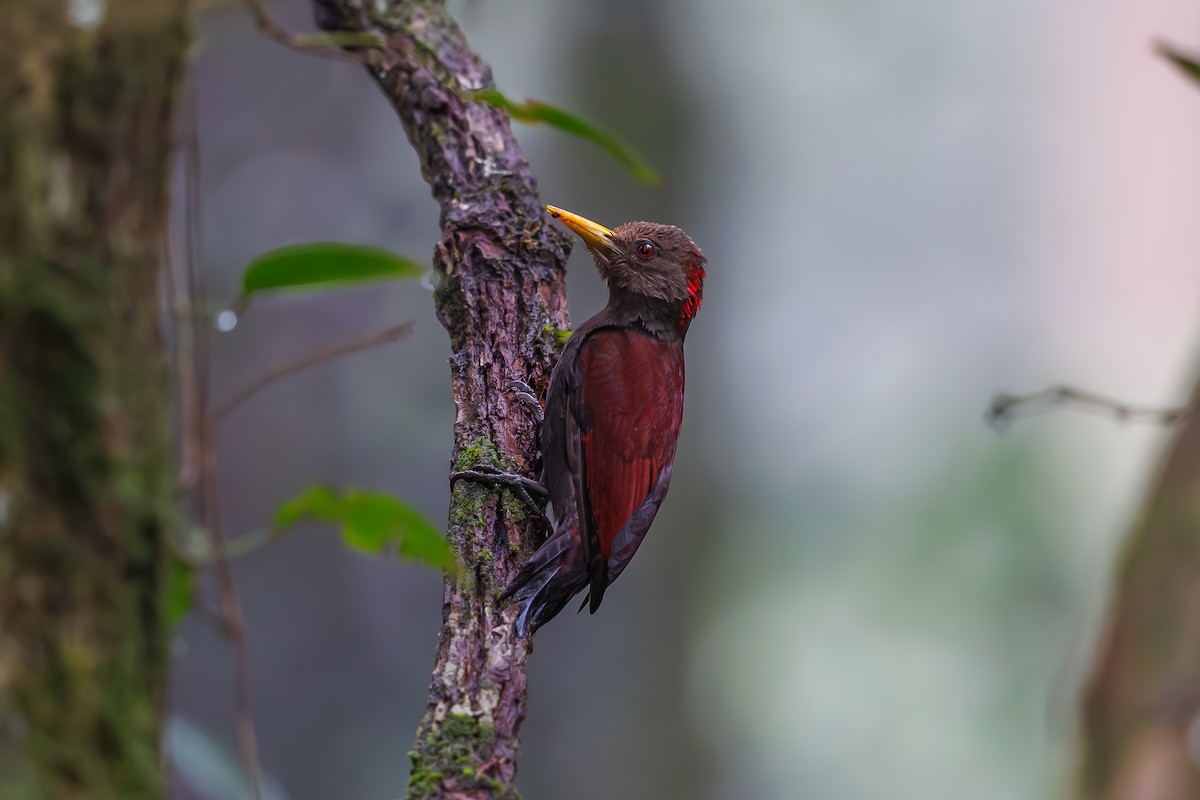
(85, 459)
(1143, 700)
(502, 299)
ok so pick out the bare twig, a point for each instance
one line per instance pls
(1006, 409)
(200, 429)
(320, 44)
(179, 287)
(197, 554)
(393, 334)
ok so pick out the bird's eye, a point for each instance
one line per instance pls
(644, 248)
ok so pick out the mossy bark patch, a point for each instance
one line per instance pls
(453, 757)
(86, 470)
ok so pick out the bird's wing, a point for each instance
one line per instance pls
(627, 409)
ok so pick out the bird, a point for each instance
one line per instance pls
(612, 415)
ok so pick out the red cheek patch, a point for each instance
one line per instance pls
(695, 298)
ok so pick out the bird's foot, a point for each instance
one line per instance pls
(522, 487)
(527, 397)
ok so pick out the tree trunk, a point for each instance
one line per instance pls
(86, 468)
(1142, 704)
(502, 299)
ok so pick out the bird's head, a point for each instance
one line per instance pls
(647, 258)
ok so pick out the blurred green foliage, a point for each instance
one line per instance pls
(371, 522)
(180, 589)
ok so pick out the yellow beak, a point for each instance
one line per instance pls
(597, 237)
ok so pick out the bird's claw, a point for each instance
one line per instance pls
(525, 394)
(524, 488)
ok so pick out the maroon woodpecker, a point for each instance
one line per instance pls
(612, 415)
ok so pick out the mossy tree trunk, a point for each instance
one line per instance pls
(1142, 704)
(86, 468)
(502, 299)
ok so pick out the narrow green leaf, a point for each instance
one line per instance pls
(370, 522)
(533, 112)
(325, 264)
(1187, 64)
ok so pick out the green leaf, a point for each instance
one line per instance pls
(370, 522)
(325, 264)
(533, 112)
(1187, 64)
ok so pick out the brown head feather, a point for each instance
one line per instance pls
(663, 273)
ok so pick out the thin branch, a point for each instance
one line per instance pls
(201, 428)
(318, 44)
(231, 610)
(1006, 409)
(393, 334)
(181, 291)
(197, 554)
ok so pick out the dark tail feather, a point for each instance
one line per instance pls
(597, 583)
(555, 574)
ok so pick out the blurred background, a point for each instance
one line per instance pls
(856, 589)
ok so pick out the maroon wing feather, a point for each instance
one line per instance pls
(630, 407)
